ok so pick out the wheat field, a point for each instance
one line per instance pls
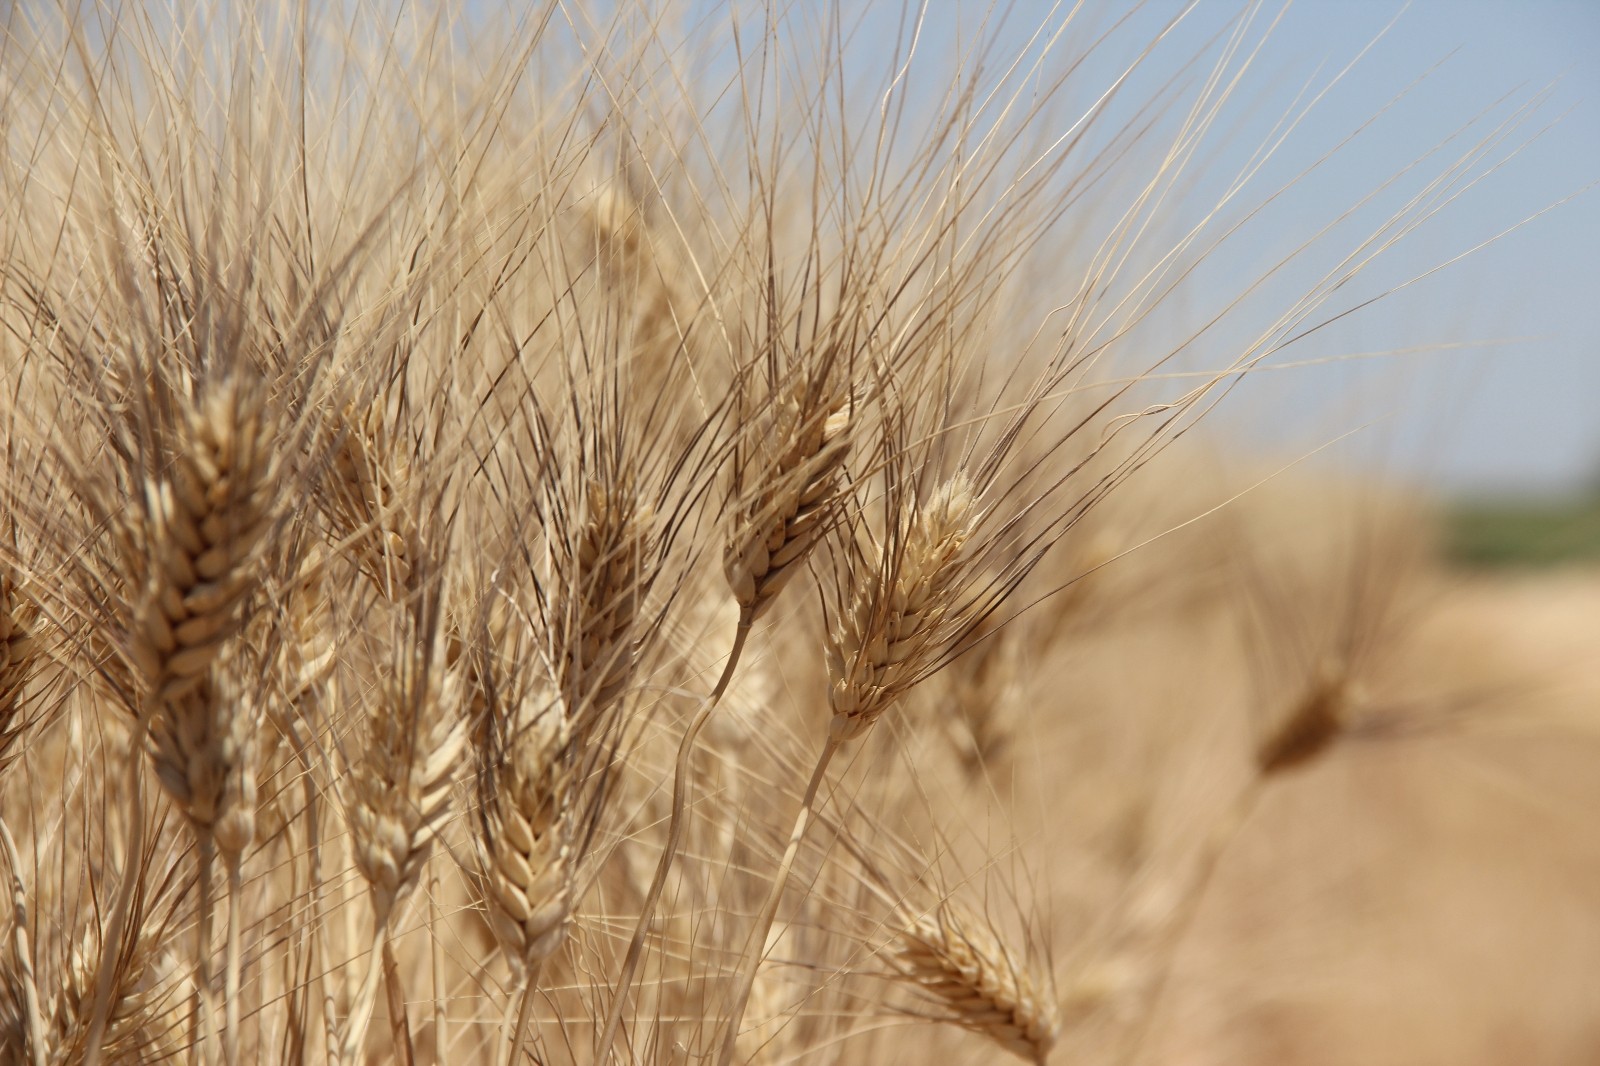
(634, 532)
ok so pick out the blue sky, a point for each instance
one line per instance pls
(1520, 417)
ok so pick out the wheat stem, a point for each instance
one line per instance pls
(316, 888)
(232, 963)
(122, 909)
(399, 1022)
(515, 1025)
(680, 788)
(355, 1031)
(204, 997)
(441, 1036)
(755, 946)
(21, 951)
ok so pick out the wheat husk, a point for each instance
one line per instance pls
(795, 500)
(959, 961)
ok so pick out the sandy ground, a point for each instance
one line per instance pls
(1431, 896)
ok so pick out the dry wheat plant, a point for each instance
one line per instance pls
(534, 534)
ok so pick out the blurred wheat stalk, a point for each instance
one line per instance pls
(412, 432)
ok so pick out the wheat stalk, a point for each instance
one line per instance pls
(795, 464)
(191, 557)
(364, 502)
(526, 860)
(649, 278)
(597, 588)
(18, 654)
(399, 790)
(527, 841)
(545, 746)
(898, 626)
(202, 747)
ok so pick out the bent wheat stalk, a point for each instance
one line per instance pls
(772, 535)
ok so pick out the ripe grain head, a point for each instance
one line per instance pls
(958, 960)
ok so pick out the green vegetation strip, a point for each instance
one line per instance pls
(1525, 534)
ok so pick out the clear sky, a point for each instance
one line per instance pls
(1521, 417)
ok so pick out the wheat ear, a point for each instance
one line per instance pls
(398, 798)
(1311, 727)
(597, 590)
(961, 962)
(548, 767)
(796, 498)
(363, 501)
(772, 533)
(201, 746)
(649, 277)
(525, 857)
(399, 788)
(192, 561)
(896, 628)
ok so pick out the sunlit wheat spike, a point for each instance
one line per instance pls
(792, 496)
(598, 588)
(201, 746)
(309, 653)
(194, 558)
(896, 627)
(399, 787)
(525, 844)
(959, 961)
